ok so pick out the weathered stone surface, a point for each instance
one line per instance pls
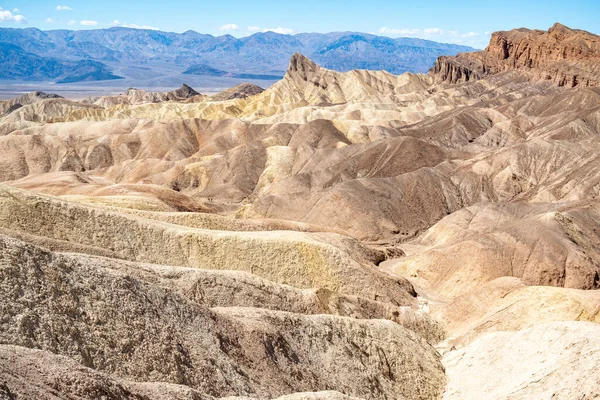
(554, 360)
(282, 256)
(542, 244)
(567, 57)
(240, 91)
(115, 322)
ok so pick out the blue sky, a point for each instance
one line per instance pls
(465, 22)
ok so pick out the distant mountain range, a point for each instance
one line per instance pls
(64, 56)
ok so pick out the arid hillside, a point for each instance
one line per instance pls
(355, 235)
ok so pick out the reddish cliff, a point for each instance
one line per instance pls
(569, 57)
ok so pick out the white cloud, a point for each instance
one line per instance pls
(8, 16)
(283, 31)
(399, 32)
(116, 22)
(71, 22)
(49, 21)
(433, 31)
(63, 8)
(86, 22)
(229, 28)
(15, 10)
(475, 39)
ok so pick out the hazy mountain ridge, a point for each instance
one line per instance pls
(19, 64)
(32, 54)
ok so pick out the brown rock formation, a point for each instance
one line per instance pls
(567, 57)
(140, 96)
(240, 91)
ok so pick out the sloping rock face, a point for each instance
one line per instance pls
(240, 91)
(284, 257)
(112, 321)
(567, 57)
(184, 92)
(317, 85)
(545, 244)
(557, 360)
(38, 374)
(6, 107)
(508, 305)
(139, 96)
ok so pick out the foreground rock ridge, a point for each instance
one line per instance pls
(354, 235)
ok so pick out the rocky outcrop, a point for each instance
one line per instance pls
(183, 93)
(240, 91)
(305, 82)
(42, 375)
(457, 69)
(139, 96)
(567, 57)
(296, 258)
(542, 244)
(133, 327)
(8, 106)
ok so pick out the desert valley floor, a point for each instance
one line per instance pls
(354, 235)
